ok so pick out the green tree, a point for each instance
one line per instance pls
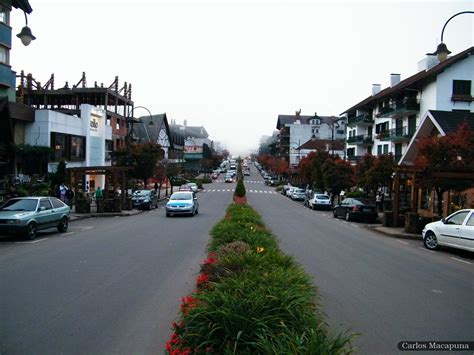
(142, 157)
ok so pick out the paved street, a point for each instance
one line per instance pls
(387, 289)
(109, 285)
(113, 285)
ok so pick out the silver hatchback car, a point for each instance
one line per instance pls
(182, 202)
(28, 215)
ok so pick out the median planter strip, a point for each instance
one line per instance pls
(251, 298)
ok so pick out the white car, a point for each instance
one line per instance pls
(320, 201)
(290, 191)
(456, 230)
(182, 202)
(193, 186)
(297, 194)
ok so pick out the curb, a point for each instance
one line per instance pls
(397, 235)
(94, 215)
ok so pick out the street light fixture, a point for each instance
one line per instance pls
(25, 35)
(442, 50)
(131, 121)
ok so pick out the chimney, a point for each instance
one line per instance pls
(394, 79)
(427, 63)
(375, 89)
(297, 113)
(185, 123)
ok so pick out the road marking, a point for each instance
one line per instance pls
(463, 261)
(401, 241)
(437, 291)
(64, 234)
(424, 249)
(33, 241)
(86, 228)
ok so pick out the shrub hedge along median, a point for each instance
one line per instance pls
(250, 298)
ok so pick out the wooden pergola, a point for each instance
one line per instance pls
(413, 173)
(116, 174)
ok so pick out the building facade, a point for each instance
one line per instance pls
(80, 140)
(386, 121)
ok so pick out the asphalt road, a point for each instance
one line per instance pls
(109, 285)
(387, 289)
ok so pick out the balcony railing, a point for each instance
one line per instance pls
(361, 139)
(397, 134)
(365, 118)
(354, 158)
(398, 109)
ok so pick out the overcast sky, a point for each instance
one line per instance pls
(234, 66)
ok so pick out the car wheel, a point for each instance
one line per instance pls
(430, 241)
(348, 216)
(334, 213)
(31, 230)
(63, 224)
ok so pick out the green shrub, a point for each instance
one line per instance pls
(240, 188)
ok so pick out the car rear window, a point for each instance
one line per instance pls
(56, 203)
(322, 197)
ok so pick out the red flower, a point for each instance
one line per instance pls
(202, 278)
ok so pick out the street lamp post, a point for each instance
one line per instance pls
(25, 35)
(131, 121)
(442, 50)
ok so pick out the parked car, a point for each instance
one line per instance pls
(297, 194)
(28, 215)
(214, 176)
(247, 172)
(182, 203)
(145, 199)
(193, 186)
(285, 189)
(456, 230)
(356, 209)
(290, 191)
(320, 201)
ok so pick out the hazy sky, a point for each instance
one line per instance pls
(233, 66)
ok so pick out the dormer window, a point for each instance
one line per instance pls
(315, 121)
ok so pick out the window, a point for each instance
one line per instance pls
(78, 148)
(350, 152)
(314, 121)
(379, 150)
(462, 87)
(4, 15)
(109, 147)
(4, 55)
(56, 203)
(458, 218)
(470, 221)
(69, 147)
(385, 148)
(314, 130)
(340, 131)
(58, 143)
(45, 203)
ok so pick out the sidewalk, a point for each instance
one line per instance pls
(394, 232)
(124, 213)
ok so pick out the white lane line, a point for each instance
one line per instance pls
(68, 233)
(424, 249)
(401, 241)
(463, 261)
(86, 228)
(32, 242)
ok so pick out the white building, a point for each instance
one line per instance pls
(80, 141)
(386, 121)
(295, 130)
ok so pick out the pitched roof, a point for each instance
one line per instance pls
(415, 81)
(450, 120)
(291, 119)
(444, 121)
(324, 144)
(146, 131)
(191, 131)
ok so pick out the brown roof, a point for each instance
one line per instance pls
(324, 144)
(415, 81)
